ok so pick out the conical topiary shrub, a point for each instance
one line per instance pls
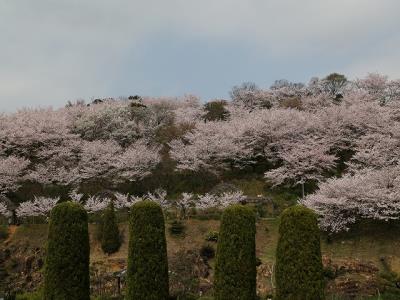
(235, 270)
(299, 271)
(66, 273)
(110, 238)
(147, 274)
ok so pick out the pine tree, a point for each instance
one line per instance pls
(110, 238)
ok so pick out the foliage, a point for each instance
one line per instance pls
(295, 134)
(185, 271)
(177, 227)
(67, 261)
(38, 295)
(212, 236)
(108, 298)
(299, 271)
(3, 210)
(39, 206)
(147, 276)
(3, 232)
(371, 194)
(207, 251)
(334, 83)
(250, 95)
(235, 270)
(110, 237)
(216, 111)
(12, 169)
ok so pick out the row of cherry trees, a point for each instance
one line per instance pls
(305, 133)
(41, 206)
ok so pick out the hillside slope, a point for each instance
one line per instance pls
(353, 260)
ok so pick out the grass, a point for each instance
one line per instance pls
(368, 241)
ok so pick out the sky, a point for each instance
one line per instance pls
(55, 51)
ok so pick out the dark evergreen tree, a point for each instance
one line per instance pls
(147, 275)
(299, 270)
(216, 111)
(67, 262)
(110, 238)
(235, 270)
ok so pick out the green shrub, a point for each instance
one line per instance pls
(108, 298)
(184, 274)
(67, 261)
(147, 276)
(258, 261)
(329, 272)
(212, 236)
(215, 111)
(260, 210)
(235, 270)
(299, 271)
(177, 228)
(207, 252)
(110, 237)
(38, 295)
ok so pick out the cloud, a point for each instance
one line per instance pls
(54, 51)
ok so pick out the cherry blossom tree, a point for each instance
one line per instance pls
(27, 131)
(109, 120)
(75, 196)
(207, 201)
(85, 161)
(380, 87)
(210, 146)
(136, 162)
(219, 201)
(303, 160)
(95, 203)
(246, 94)
(228, 198)
(376, 151)
(373, 194)
(159, 196)
(189, 111)
(39, 206)
(4, 210)
(12, 169)
(184, 203)
(374, 84)
(124, 200)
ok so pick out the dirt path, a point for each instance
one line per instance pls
(11, 231)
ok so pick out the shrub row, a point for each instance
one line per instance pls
(299, 272)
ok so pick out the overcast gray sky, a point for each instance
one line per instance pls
(55, 51)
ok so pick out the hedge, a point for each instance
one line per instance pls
(235, 270)
(147, 274)
(299, 270)
(67, 262)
